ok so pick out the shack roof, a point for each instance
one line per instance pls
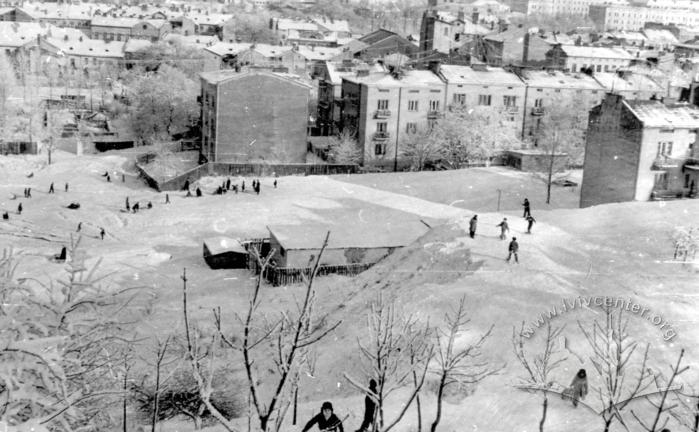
(220, 244)
(311, 236)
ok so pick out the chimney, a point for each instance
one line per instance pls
(525, 50)
(434, 65)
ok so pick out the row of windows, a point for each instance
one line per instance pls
(382, 105)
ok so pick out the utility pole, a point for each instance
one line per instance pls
(499, 194)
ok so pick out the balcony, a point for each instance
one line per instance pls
(380, 114)
(538, 111)
(433, 114)
(663, 163)
(381, 136)
(323, 104)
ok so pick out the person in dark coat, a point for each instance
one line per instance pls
(530, 222)
(242, 187)
(109, 179)
(80, 226)
(66, 187)
(513, 248)
(186, 185)
(325, 419)
(526, 208)
(5, 216)
(25, 192)
(128, 207)
(150, 205)
(29, 192)
(198, 192)
(102, 233)
(369, 409)
(51, 188)
(275, 183)
(504, 228)
(473, 223)
(19, 208)
(577, 389)
(123, 178)
(228, 184)
(167, 199)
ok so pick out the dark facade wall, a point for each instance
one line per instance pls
(611, 155)
(261, 117)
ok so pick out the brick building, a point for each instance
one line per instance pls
(254, 116)
(640, 149)
(547, 90)
(481, 85)
(382, 108)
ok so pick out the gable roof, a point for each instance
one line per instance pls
(311, 236)
(220, 244)
(270, 50)
(482, 75)
(334, 25)
(318, 53)
(596, 52)
(377, 36)
(220, 76)
(17, 34)
(628, 82)
(410, 78)
(558, 79)
(88, 47)
(224, 48)
(655, 114)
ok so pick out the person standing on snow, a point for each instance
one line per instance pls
(530, 222)
(325, 419)
(473, 223)
(51, 188)
(504, 228)
(527, 212)
(513, 249)
(369, 409)
(577, 389)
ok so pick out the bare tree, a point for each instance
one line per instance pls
(161, 351)
(686, 243)
(397, 346)
(539, 367)
(292, 335)
(420, 147)
(458, 366)
(661, 407)
(612, 358)
(344, 148)
(687, 410)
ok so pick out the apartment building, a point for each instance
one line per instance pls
(566, 7)
(254, 116)
(481, 85)
(620, 17)
(444, 32)
(384, 107)
(123, 29)
(550, 90)
(637, 150)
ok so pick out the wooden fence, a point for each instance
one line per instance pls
(288, 275)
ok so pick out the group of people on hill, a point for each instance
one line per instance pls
(513, 247)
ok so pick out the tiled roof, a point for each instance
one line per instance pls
(17, 34)
(319, 53)
(334, 25)
(88, 47)
(655, 114)
(224, 48)
(270, 50)
(557, 79)
(488, 76)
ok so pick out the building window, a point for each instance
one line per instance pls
(509, 101)
(574, 67)
(538, 103)
(431, 123)
(434, 105)
(446, 31)
(686, 181)
(381, 127)
(380, 149)
(383, 104)
(412, 105)
(557, 90)
(459, 98)
(599, 68)
(411, 127)
(484, 100)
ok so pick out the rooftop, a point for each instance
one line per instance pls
(338, 70)
(596, 52)
(558, 79)
(270, 50)
(311, 236)
(655, 114)
(223, 75)
(410, 78)
(88, 47)
(17, 34)
(221, 244)
(627, 82)
(481, 75)
(319, 53)
(223, 48)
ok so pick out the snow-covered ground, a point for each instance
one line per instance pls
(614, 250)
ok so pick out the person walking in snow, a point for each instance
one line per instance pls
(29, 192)
(228, 183)
(167, 199)
(504, 228)
(51, 188)
(472, 224)
(513, 249)
(66, 187)
(102, 233)
(19, 208)
(242, 187)
(80, 226)
(275, 183)
(526, 208)
(198, 192)
(369, 409)
(530, 222)
(109, 179)
(186, 185)
(150, 205)
(136, 207)
(577, 389)
(128, 207)
(325, 419)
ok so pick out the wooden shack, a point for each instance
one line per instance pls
(225, 253)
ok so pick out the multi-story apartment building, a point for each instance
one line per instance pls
(76, 53)
(640, 149)
(330, 91)
(481, 85)
(619, 17)
(61, 14)
(566, 7)
(254, 116)
(552, 90)
(573, 58)
(123, 29)
(383, 108)
(445, 32)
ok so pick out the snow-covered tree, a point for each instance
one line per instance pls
(344, 149)
(420, 147)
